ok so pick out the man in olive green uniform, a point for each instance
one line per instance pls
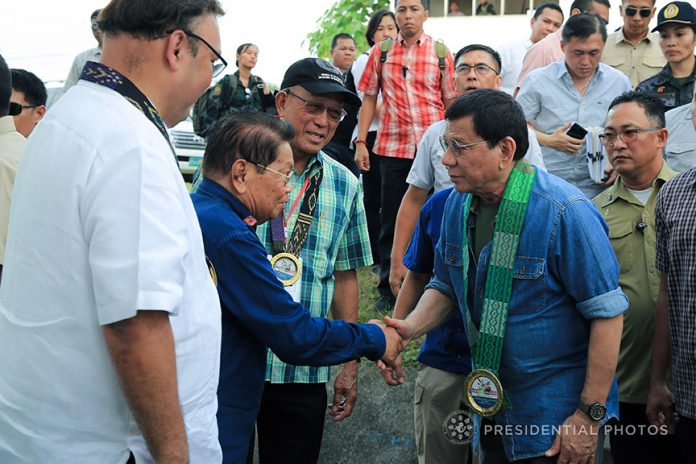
(634, 137)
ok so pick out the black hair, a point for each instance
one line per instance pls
(496, 115)
(5, 87)
(425, 3)
(94, 14)
(581, 26)
(339, 36)
(154, 19)
(31, 86)
(585, 5)
(375, 21)
(653, 106)
(479, 47)
(241, 49)
(252, 136)
(551, 6)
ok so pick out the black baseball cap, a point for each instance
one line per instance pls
(318, 76)
(676, 12)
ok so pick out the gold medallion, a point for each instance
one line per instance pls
(286, 267)
(211, 269)
(484, 392)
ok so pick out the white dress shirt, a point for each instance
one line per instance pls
(101, 226)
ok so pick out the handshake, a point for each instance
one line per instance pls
(398, 334)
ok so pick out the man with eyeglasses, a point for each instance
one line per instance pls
(324, 226)
(441, 375)
(109, 319)
(93, 54)
(634, 136)
(247, 168)
(477, 67)
(29, 98)
(548, 50)
(525, 259)
(577, 89)
(633, 49)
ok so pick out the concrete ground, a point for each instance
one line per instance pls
(380, 430)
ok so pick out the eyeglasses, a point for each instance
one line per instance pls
(314, 108)
(632, 10)
(627, 135)
(480, 69)
(219, 64)
(457, 147)
(286, 177)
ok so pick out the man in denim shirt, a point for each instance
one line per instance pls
(564, 316)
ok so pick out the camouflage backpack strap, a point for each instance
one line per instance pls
(228, 90)
(213, 104)
(441, 52)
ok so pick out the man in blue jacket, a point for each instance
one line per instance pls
(246, 169)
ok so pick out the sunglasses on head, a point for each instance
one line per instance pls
(632, 10)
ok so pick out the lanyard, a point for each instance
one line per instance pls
(309, 195)
(499, 278)
(297, 201)
(105, 76)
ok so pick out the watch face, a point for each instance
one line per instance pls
(596, 411)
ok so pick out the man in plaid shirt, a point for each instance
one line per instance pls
(674, 343)
(291, 419)
(415, 93)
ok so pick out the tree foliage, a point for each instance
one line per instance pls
(349, 16)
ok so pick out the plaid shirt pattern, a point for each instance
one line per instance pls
(337, 241)
(412, 93)
(675, 227)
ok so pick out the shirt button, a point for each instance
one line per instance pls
(523, 271)
(451, 258)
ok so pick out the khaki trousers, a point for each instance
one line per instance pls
(437, 394)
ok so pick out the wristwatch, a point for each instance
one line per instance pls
(595, 411)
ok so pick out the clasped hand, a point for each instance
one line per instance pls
(392, 368)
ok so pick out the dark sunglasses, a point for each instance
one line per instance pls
(632, 10)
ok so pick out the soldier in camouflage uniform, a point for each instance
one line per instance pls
(241, 91)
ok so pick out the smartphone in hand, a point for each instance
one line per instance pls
(576, 131)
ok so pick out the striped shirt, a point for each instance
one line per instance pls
(412, 93)
(337, 241)
(675, 223)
